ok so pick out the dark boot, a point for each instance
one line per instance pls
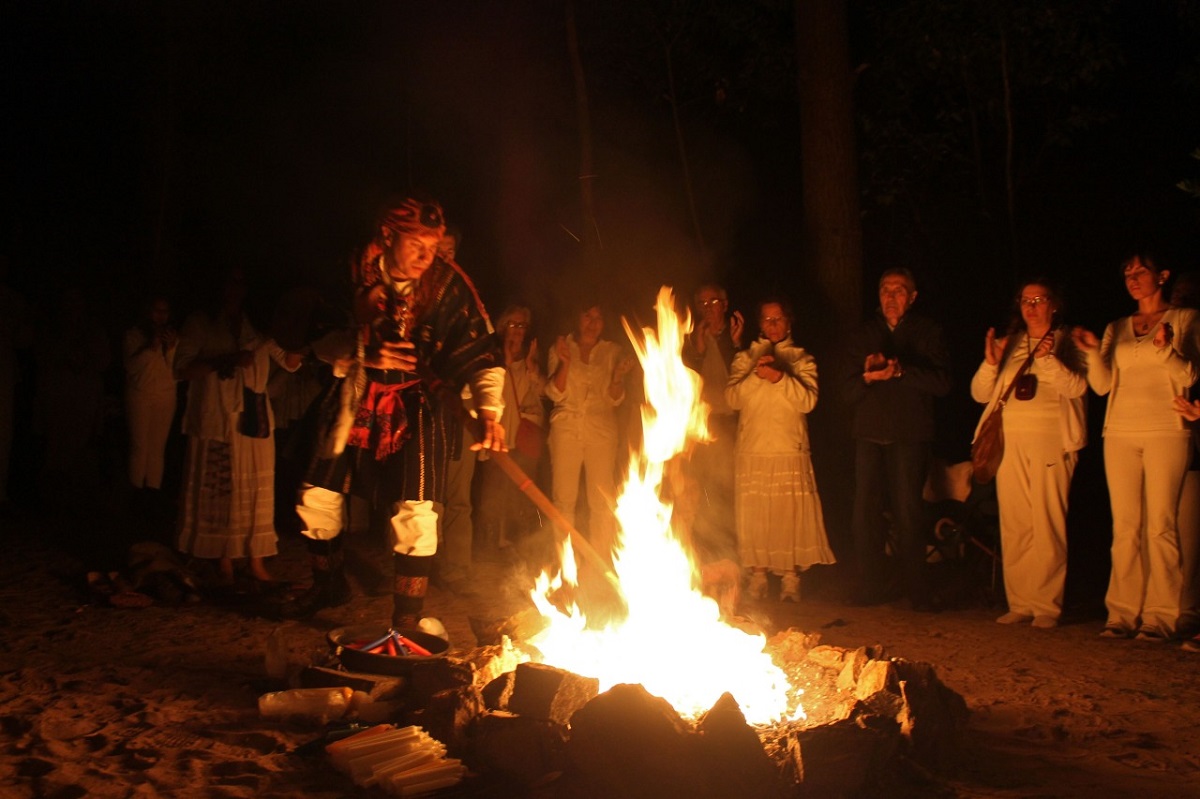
(409, 585)
(329, 587)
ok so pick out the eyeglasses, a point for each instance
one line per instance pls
(711, 302)
(517, 325)
(1033, 302)
(770, 320)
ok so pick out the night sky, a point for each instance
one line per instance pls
(154, 144)
(163, 141)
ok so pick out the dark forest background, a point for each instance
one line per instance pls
(153, 144)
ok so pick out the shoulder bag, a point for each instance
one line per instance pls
(531, 438)
(987, 450)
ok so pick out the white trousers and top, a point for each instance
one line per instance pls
(583, 437)
(1042, 438)
(780, 524)
(1146, 455)
(150, 399)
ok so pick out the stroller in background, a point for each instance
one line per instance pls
(963, 551)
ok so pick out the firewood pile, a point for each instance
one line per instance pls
(534, 730)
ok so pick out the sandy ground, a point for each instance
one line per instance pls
(161, 701)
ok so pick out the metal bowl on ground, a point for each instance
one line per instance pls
(344, 641)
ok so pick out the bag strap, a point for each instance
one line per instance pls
(513, 385)
(1020, 372)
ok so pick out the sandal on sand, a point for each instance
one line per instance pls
(1116, 631)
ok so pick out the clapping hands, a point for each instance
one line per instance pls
(767, 370)
(878, 367)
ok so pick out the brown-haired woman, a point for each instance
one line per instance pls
(1143, 362)
(1045, 426)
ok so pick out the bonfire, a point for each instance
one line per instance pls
(671, 637)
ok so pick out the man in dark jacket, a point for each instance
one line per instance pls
(899, 363)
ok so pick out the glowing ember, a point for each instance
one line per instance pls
(672, 641)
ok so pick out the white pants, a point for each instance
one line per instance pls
(1145, 479)
(149, 417)
(413, 523)
(596, 455)
(1032, 485)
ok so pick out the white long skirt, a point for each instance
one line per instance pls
(779, 520)
(229, 498)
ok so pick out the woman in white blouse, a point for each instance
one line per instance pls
(1143, 362)
(586, 384)
(1045, 426)
(780, 524)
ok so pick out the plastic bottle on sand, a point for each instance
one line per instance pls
(315, 703)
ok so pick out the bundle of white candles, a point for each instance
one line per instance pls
(403, 761)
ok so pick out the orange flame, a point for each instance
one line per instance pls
(672, 641)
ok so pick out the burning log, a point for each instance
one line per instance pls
(432, 676)
(497, 693)
(518, 750)
(884, 719)
(933, 715)
(843, 758)
(448, 716)
(733, 755)
(628, 743)
(544, 692)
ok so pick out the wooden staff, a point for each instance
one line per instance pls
(530, 489)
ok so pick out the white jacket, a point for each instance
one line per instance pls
(773, 416)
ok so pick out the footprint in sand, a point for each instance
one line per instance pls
(67, 737)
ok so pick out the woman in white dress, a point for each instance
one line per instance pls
(780, 525)
(228, 508)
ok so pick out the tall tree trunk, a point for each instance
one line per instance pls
(592, 242)
(684, 165)
(1010, 188)
(164, 134)
(831, 224)
(832, 229)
